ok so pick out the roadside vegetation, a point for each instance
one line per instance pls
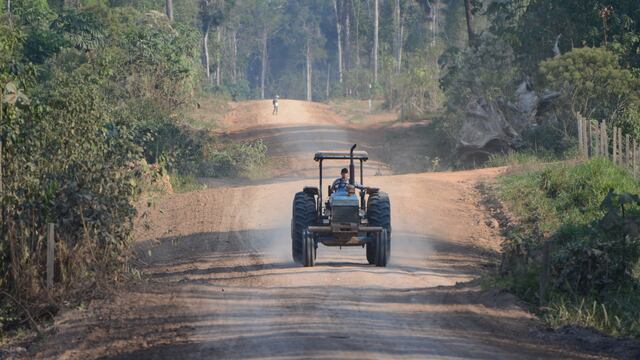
(588, 215)
(91, 113)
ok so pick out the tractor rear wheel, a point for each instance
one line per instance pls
(378, 214)
(304, 214)
(308, 249)
(382, 248)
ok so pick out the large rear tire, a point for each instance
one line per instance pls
(308, 249)
(379, 214)
(382, 248)
(304, 214)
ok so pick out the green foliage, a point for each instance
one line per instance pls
(593, 83)
(416, 91)
(85, 95)
(532, 26)
(596, 239)
(485, 71)
(233, 159)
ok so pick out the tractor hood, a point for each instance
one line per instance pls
(344, 200)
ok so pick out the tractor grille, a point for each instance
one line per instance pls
(345, 214)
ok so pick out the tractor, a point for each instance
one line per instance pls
(344, 219)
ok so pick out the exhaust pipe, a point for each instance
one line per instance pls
(352, 170)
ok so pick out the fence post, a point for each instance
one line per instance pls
(605, 141)
(627, 155)
(580, 139)
(634, 155)
(620, 147)
(614, 155)
(596, 139)
(50, 254)
(544, 275)
(590, 136)
(585, 134)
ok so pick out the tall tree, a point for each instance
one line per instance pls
(169, 9)
(346, 5)
(339, 31)
(397, 38)
(212, 14)
(376, 9)
(468, 10)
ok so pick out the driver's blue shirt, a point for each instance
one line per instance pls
(340, 184)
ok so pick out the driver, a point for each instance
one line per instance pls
(341, 183)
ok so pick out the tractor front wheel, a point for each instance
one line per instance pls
(382, 248)
(308, 249)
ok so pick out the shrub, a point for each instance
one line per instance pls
(596, 235)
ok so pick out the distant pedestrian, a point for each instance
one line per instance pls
(275, 105)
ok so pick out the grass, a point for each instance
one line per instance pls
(184, 182)
(619, 316)
(208, 112)
(562, 201)
(562, 193)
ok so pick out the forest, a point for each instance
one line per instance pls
(95, 97)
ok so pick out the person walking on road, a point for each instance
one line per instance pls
(275, 105)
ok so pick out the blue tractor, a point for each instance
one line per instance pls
(344, 219)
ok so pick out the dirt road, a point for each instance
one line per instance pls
(221, 283)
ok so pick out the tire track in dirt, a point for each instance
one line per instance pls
(221, 283)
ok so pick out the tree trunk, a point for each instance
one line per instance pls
(219, 57)
(469, 14)
(434, 24)
(328, 79)
(339, 31)
(309, 88)
(169, 4)
(397, 39)
(234, 57)
(205, 45)
(347, 36)
(356, 18)
(263, 72)
(401, 46)
(375, 41)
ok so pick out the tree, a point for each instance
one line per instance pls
(375, 40)
(169, 9)
(593, 83)
(468, 10)
(339, 32)
(212, 14)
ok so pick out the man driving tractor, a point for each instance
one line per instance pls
(341, 183)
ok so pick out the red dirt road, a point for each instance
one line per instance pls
(220, 283)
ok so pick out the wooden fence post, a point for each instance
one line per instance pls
(590, 136)
(580, 138)
(605, 141)
(546, 269)
(585, 134)
(627, 155)
(634, 156)
(51, 243)
(596, 137)
(614, 155)
(620, 147)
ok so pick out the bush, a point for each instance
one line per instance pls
(596, 235)
(593, 83)
(233, 159)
